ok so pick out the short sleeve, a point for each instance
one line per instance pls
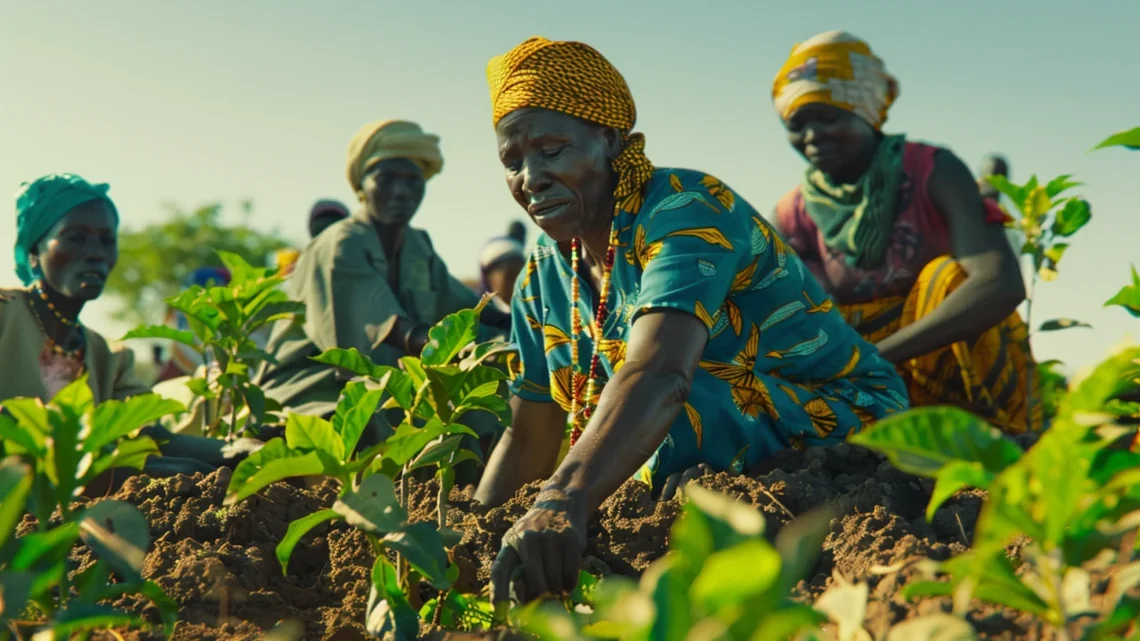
(690, 252)
(532, 381)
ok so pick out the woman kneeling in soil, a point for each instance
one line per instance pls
(369, 281)
(652, 291)
(898, 234)
(66, 247)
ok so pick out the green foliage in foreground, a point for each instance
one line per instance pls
(54, 452)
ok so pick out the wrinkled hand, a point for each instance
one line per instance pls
(676, 482)
(542, 552)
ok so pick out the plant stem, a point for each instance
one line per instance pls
(1031, 392)
(401, 562)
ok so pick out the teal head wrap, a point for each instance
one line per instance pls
(41, 204)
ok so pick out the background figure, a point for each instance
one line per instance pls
(993, 165)
(500, 263)
(325, 212)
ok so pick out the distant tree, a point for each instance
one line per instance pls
(155, 259)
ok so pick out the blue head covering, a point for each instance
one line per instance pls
(41, 204)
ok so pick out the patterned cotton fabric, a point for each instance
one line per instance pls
(574, 79)
(838, 69)
(987, 376)
(782, 367)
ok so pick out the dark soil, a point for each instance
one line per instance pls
(219, 563)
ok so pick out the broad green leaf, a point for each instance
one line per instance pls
(922, 440)
(354, 409)
(1129, 139)
(422, 547)
(494, 404)
(305, 433)
(15, 486)
(1037, 203)
(352, 360)
(28, 439)
(45, 548)
(408, 440)
(115, 419)
(721, 584)
(1060, 184)
(1110, 378)
(273, 462)
(788, 623)
(743, 519)
(273, 312)
(670, 591)
(1054, 252)
(438, 395)
(164, 332)
(241, 272)
(1014, 192)
(436, 452)
(933, 627)
(119, 534)
(298, 529)
(389, 615)
(373, 506)
(130, 453)
(955, 476)
(1129, 296)
(1057, 324)
(485, 351)
(449, 336)
(75, 399)
(1075, 214)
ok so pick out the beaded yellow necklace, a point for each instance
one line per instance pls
(76, 354)
(581, 409)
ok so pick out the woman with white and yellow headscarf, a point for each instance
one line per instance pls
(369, 281)
(898, 234)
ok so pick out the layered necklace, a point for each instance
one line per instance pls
(73, 354)
(582, 406)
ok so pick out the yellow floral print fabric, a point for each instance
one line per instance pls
(782, 367)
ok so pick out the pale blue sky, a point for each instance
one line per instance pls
(195, 102)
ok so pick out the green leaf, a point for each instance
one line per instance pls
(15, 590)
(1129, 296)
(1057, 324)
(846, 605)
(75, 399)
(273, 462)
(1075, 214)
(408, 440)
(1112, 377)
(298, 529)
(721, 584)
(1054, 252)
(954, 476)
(119, 534)
(435, 452)
(164, 332)
(438, 396)
(1129, 139)
(742, 519)
(449, 336)
(788, 623)
(485, 351)
(241, 272)
(921, 441)
(669, 588)
(422, 547)
(1014, 192)
(1059, 185)
(27, 439)
(373, 506)
(15, 486)
(354, 409)
(304, 433)
(933, 627)
(115, 419)
(494, 404)
(800, 544)
(389, 615)
(352, 360)
(79, 617)
(129, 453)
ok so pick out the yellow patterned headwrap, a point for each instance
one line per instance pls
(574, 79)
(385, 139)
(838, 69)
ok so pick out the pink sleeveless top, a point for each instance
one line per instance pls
(920, 235)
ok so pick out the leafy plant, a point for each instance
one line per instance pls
(845, 604)
(1128, 139)
(1047, 218)
(54, 452)
(1075, 496)
(1128, 297)
(434, 391)
(720, 579)
(223, 321)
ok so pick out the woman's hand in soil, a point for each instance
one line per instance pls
(542, 552)
(676, 482)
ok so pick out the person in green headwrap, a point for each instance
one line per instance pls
(66, 247)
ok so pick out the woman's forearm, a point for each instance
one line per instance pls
(517, 459)
(975, 306)
(635, 412)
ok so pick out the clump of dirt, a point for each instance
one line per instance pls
(219, 563)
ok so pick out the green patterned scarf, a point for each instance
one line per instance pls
(857, 219)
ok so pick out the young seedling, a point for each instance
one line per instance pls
(55, 451)
(1047, 219)
(223, 321)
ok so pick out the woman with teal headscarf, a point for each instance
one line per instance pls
(66, 247)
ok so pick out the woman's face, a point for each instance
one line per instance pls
(77, 255)
(830, 138)
(393, 189)
(560, 170)
(502, 276)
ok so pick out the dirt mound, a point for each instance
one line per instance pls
(218, 563)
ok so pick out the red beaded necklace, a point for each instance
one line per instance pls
(581, 409)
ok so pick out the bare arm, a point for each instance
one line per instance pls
(527, 451)
(636, 408)
(993, 287)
